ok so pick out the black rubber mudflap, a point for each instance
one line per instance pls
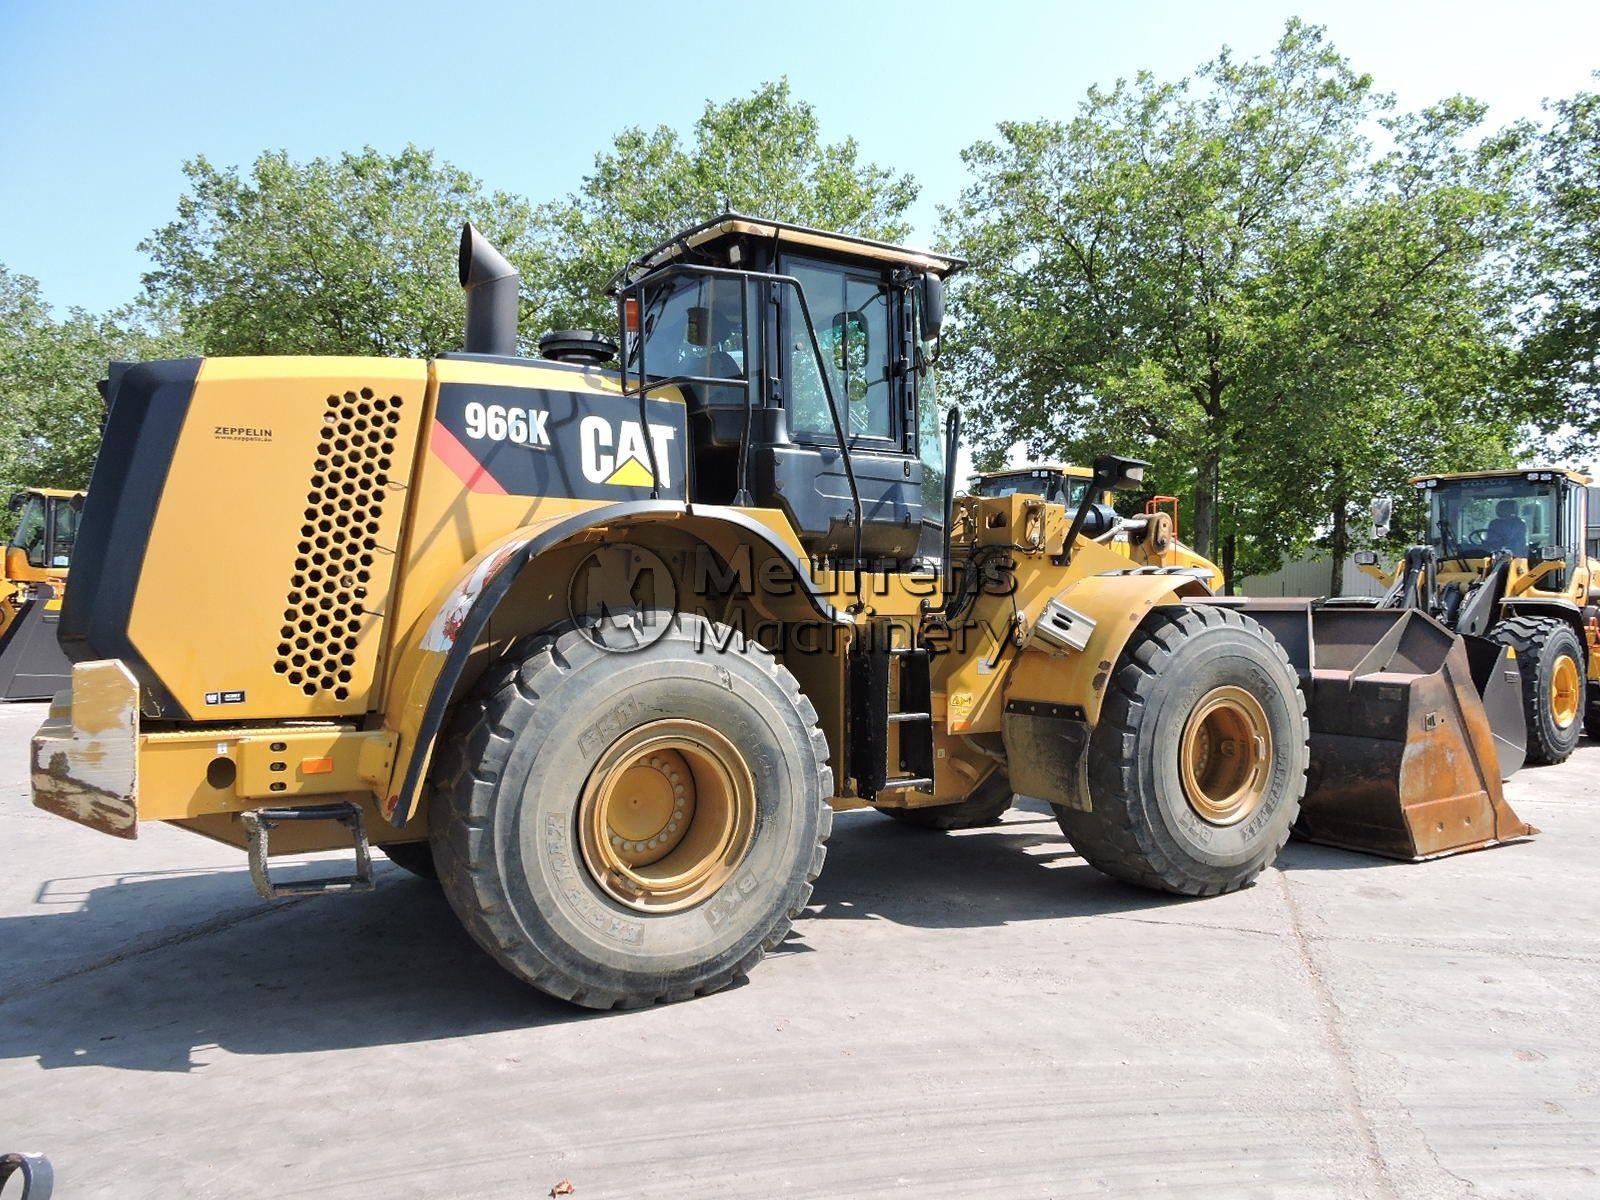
(32, 664)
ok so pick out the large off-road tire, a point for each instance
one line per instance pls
(1197, 765)
(1550, 656)
(568, 744)
(415, 857)
(987, 804)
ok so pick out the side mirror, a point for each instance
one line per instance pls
(932, 307)
(1365, 558)
(18, 499)
(1546, 554)
(1117, 474)
(1382, 511)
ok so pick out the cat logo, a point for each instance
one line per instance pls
(617, 455)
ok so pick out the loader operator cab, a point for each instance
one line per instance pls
(806, 360)
(47, 526)
(1536, 516)
(1050, 481)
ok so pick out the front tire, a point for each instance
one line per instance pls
(578, 740)
(1198, 763)
(1550, 657)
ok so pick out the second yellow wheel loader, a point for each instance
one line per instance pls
(32, 666)
(1505, 559)
(606, 647)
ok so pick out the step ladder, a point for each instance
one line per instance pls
(872, 715)
(262, 821)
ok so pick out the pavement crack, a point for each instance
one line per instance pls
(1328, 1014)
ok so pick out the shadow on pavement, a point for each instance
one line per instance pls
(390, 967)
(209, 968)
(1020, 870)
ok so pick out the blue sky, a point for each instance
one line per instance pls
(101, 102)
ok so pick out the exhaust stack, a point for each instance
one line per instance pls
(491, 284)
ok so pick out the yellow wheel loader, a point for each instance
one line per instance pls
(605, 647)
(32, 666)
(1505, 559)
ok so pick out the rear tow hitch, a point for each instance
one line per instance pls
(262, 821)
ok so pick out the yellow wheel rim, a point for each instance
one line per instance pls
(1565, 691)
(666, 816)
(1225, 758)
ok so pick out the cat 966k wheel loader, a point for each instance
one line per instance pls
(605, 647)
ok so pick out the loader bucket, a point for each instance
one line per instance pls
(1412, 730)
(32, 665)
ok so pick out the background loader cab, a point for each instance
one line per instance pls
(757, 322)
(1505, 557)
(1149, 539)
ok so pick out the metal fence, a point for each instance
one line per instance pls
(1309, 577)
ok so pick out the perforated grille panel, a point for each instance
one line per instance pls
(326, 606)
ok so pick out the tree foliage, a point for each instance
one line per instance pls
(50, 421)
(1562, 363)
(761, 154)
(347, 255)
(1221, 273)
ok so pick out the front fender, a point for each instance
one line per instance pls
(1053, 701)
(433, 655)
(1116, 602)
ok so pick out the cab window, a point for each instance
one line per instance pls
(694, 325)
(64, 534)
(30, 534)
(1476, 517)
(851, 316)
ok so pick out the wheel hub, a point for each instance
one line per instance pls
(666, 816)
(1225, 756)
(1565, 688)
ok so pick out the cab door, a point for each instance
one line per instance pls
(861, 321)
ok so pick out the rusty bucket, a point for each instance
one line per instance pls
(1412, 730)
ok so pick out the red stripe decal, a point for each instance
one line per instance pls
(460, 460)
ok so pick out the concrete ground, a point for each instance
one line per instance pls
(977, 1014)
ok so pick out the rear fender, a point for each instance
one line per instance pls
(432, 657)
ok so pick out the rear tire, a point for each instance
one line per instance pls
(987, 804)
(1550, 657)
(416, 857)
(513, 809)
(1201, 681)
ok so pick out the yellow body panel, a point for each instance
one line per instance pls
(280, 479)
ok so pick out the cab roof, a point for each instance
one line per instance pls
(1059, 468)
(1577, 477)
(733, 224)
(51, 493)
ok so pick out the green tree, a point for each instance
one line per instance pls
(1562, 355)
(1219, 273)
(761, 154)
(50, 422)
(347, 255)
